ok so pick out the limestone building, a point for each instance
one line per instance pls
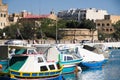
(79, 14)
(79, 34)
(104, 26)
(3, 15)
(113, 18)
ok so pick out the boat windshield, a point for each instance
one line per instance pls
(31, 51)
(40, 59)
(67, 58)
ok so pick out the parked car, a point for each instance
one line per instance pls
(15, 42)
(85, 41)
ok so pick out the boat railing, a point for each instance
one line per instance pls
(14, 73)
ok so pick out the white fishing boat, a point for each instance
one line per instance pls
(26, 63)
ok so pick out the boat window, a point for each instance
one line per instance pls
(20, 51)
(58, 65)
(30, 51)
(43, 68)
(40, 59)
(69, 58)
(52, 67)
(66, 58)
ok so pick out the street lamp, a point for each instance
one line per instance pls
(38, 24)
(56, 33)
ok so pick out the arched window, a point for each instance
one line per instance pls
(111, 30)
(1, 15)
(103, 24)
(107, 30)
(108, 24)
(98, 24)
(4, 15)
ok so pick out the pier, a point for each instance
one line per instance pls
(113, 45)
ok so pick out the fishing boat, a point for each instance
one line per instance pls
(98, 49)
(70, 63)
(26, 63)
(91, 59)
(66, 57)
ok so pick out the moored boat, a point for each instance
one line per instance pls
(29, 64)
(91, 59)
(66, 57)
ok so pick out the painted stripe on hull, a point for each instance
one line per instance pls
(92, 64)
(68, 69)
(60, 77)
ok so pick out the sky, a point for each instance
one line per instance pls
(45, 6)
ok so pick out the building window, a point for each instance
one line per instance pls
(98, 24)
(1, 15)
(4, 24)
(107, 30)
(1, 24)
(111, 30)
(107, 17)
(84, 15)
(103, 29)
(4, 15)
(108, 24)
(103, 24)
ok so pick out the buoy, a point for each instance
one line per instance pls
(0, 66)
(76, 69)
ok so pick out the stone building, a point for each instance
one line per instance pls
(3, 15)
(79, 34)
(79, 14)
(104, 26)
(25, 15)
(113, 18)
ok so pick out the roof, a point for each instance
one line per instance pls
(29, 16)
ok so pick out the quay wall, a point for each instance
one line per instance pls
(106, 44)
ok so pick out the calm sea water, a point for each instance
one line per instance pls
(110, 70)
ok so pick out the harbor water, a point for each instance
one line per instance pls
(109, 71)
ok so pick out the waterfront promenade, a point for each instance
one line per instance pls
(106, 44)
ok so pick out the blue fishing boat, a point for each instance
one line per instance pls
(26, 63)
(91, 59)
